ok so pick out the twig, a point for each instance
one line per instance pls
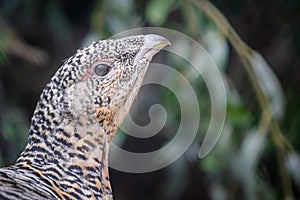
(13, 43)
(245, 53)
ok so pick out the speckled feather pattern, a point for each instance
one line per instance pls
(66, 156)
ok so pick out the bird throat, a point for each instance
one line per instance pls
(73, 154)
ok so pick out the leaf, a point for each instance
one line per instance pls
(293, 165)
(157, 11)
(269, 83)
(238, 115)
(245, 163)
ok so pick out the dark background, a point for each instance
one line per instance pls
(35, 36)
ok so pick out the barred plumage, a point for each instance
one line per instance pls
(76, 118)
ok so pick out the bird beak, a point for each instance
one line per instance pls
(153, 44)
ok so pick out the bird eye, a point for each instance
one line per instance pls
(102, 69)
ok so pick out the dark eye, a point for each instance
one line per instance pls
(102, 69)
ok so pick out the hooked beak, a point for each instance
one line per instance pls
(153, 44)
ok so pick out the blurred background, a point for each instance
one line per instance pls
(35, 36)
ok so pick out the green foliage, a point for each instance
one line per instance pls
(238, 116)
(157, 11)
(243, 164)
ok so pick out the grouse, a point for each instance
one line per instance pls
(78, 114)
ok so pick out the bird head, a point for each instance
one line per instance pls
(99, 83)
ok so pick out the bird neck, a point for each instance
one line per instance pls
(70, 149)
